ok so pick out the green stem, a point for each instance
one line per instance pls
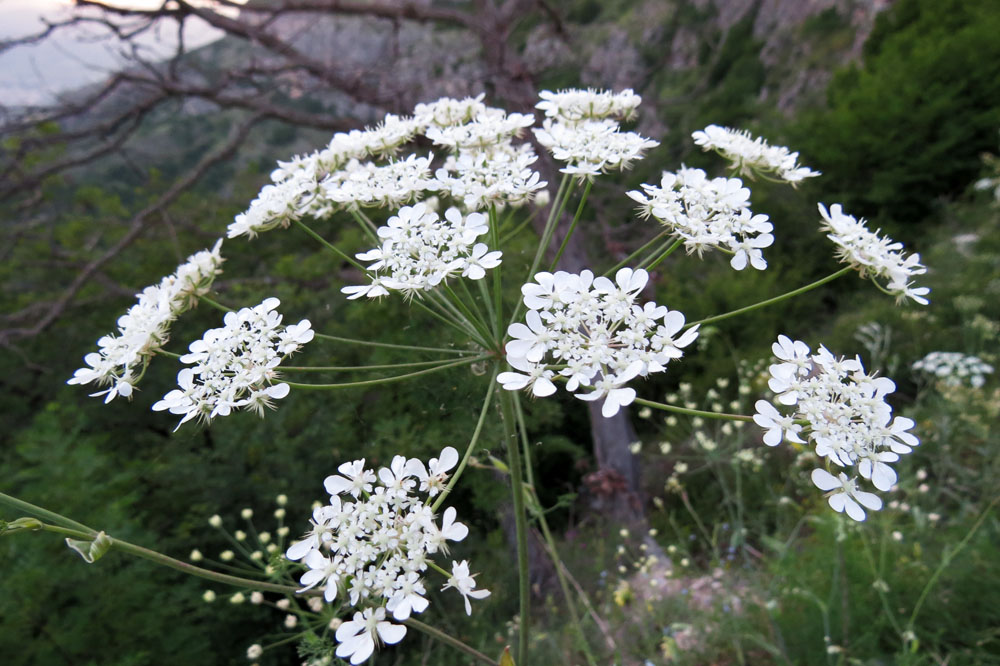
(386, 345)
(39, 512)
(693, 412)
(497, 309)
(550, 542)
(946, 560)
(776, 299)
(562, 196)
(449, 640)
(635, 254)
(353, 368)
(445, 316)
(472, 442)
(520, 523)
(572, 226)
(216, 305)
(367, 226)
(388, 380)
(669, 251)
(330, 246)
(161, 559)
(473, 318)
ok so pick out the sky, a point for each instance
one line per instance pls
(78, 56)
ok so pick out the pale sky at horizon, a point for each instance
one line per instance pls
(72, 58)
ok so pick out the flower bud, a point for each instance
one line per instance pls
(215, 521)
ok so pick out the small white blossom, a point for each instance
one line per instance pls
(574, 105)
(420, 250)
(357, 636)
(465, 584)
(749, 155)
(234, 366)
(371, 545)
(592, 147)
(873, 255)
(708, 213)
(842, 411)
(593, 328)
(145, 328)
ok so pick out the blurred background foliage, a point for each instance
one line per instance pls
(759, 570)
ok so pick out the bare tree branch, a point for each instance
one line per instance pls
(139, 223)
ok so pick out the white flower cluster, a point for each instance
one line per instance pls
(574, 106)
(146, 326)
(420, 250)
(580, 129)
(484, 167)
(592, 147)
(750, 155)
(234, 366)
(482, 178)
(708, 213)
(954, 368)
(845, 416)
(873, 255)
(373, 543)
(592, 328)
(369, 184)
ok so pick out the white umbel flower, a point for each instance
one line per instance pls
(843, 413)
(480, 179)
(749, 155)
(366, 184)
(575, 105)
(873, 255)
(420, 250)
(145, 328)
(592, 147)
(708, 213)
(954, 368)
(234, 367)
(595, 330)
(373, 543)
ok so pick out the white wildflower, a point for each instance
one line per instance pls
(954, 368)
(843, 413)
(420, 250)
(145, 328)
(749, 155)
(708, 213)
(593, 328)
(873, 255)
(235, 366)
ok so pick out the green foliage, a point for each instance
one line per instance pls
(909, 125)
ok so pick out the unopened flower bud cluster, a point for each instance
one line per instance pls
(372, 544)
(592, 327)
(234, 367)
(845, 417)
(145, 328)
(708, 213)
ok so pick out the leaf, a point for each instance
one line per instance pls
(91, 551)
